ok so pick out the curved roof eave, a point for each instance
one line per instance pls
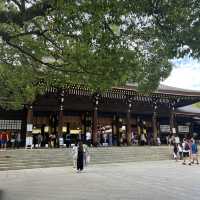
(189, 109)
(164, 89)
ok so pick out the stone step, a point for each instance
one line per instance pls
(40, 158)
(142, 151)
(67, 153)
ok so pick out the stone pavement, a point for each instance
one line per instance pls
(156, 180)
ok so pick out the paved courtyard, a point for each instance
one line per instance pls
(140, 180)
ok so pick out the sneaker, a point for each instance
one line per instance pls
(184, 163)
(189, 163)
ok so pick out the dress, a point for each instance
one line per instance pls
(80, 159)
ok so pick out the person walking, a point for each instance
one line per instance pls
(143, 139)
(177, 140)
(194, 151)
(80, 157)
(51, 141)
(18, 140)
(180, 151)
(175, 152)
(74, 155)
(86, 155)
(40, 140)
(158, 141)
(35, 141)
(12, 140)
(68, 140)
(88, 138)
(186, 152)
(4, 139)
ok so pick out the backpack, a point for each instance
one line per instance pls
(194, 148)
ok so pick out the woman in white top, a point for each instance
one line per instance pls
(74, 155)
(180, 151)
(186, 152)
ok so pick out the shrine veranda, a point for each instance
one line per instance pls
(120, 113)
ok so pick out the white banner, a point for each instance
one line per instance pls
(29, 127)
(29, 141)
(183, 129)
(165, 128)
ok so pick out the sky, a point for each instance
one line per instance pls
(185, 74)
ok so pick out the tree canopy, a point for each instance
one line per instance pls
(99, 44)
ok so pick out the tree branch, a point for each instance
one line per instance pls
(7, 38)
(32, 56)
(36, 32)
(52, 41)
(38, 9)
(17, 4)
(54, 67)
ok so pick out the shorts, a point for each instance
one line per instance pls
(194, 155)
(3, 142)
(186, 154)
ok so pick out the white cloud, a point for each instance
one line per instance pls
(185, 74)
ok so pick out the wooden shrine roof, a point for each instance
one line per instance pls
(168, 90)
(163, 95)
(192, 109)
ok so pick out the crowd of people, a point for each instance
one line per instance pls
(10, 139)
(187, 150)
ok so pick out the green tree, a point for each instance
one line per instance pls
(100, 43)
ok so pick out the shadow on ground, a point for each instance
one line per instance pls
(2, 196)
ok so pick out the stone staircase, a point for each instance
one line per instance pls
(41, 158)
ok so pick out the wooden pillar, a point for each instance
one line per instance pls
(172, 122)
(29, 120)
(95, 116)
(114, 130)
(94, 126)
(172, 116)
(61, 115)
(154, 122)
(60, 122)
(118, 125)
(191, 129)
(29, 127)
(129, 123)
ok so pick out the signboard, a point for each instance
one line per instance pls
(29, 127)
(183, 129)
(165, 128)
(46, 129)
(173, 130)
(75, 131)
(64, 129)
(61, 142)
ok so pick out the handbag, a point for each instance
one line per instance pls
(88, 158)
